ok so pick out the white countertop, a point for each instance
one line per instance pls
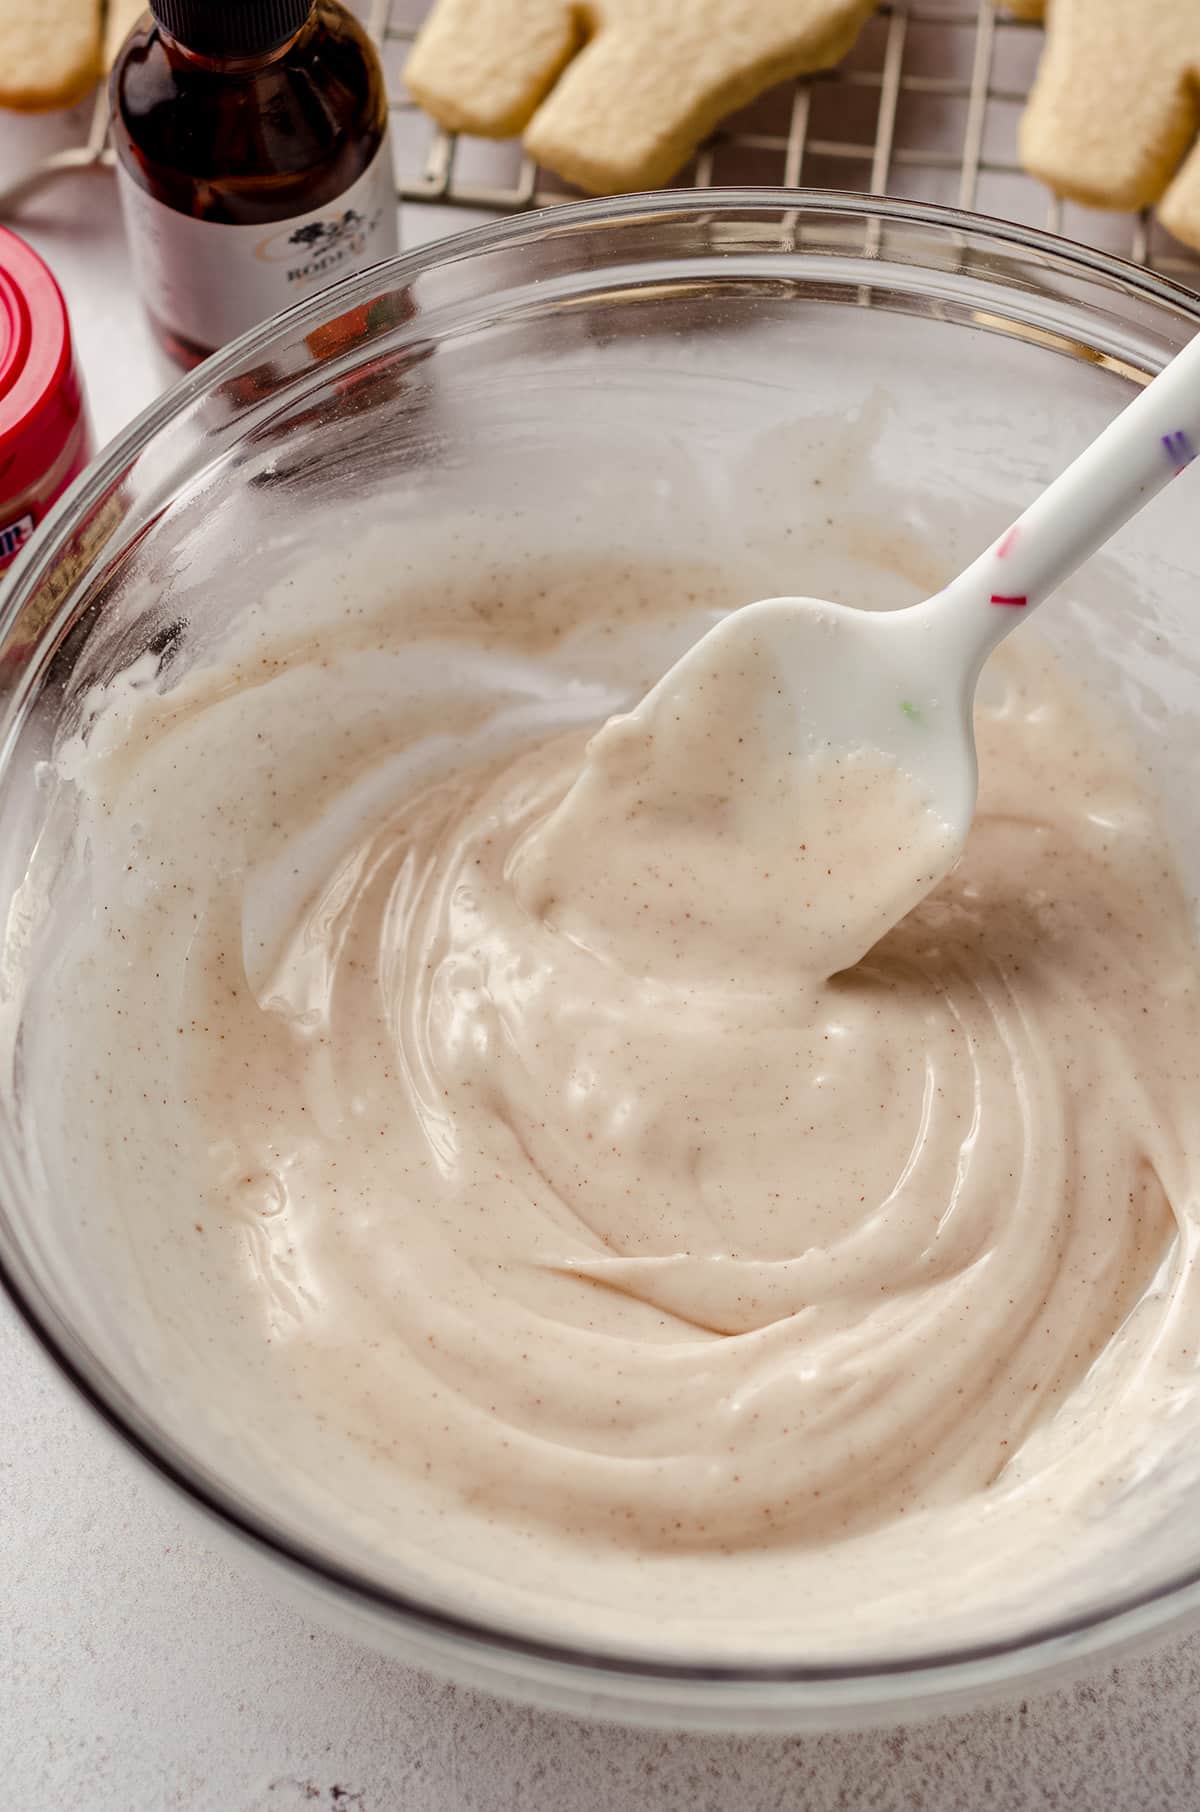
(138, 1670)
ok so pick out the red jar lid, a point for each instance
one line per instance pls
(39, 390)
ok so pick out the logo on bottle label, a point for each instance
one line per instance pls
(13, 536)
(209, 282)
(320, 246)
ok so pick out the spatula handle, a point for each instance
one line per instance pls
(1152, 440)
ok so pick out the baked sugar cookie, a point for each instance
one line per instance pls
(49, 52)
(616, 94)
(120, 19)
(1114, 116)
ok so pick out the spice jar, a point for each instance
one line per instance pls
(253, 160)
(44, 440)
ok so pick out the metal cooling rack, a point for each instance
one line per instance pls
(926, 106)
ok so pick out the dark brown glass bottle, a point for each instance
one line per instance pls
(252, 148)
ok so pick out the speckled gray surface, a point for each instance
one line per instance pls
(138, 1671)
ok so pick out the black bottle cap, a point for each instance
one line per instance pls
(231, 28)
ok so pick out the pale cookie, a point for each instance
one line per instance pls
(617, 94)
(1115, 112)
(49, 52)
(119, 21)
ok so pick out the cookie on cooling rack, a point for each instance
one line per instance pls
(621, 105)
(119, 21)
(49, 52)
(1115, 111)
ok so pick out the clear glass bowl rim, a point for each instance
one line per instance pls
(876, 1682)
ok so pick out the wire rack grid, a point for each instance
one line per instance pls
(926, 106)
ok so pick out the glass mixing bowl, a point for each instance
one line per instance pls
(863, 391)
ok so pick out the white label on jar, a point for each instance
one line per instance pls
(209, 282)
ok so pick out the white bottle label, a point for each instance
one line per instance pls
(209, 282)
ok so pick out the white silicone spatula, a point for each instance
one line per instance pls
(902, 683)
(814, 765)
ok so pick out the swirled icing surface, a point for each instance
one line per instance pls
(597, 1254)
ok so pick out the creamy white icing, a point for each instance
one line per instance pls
(615, 1270)
(706, 838)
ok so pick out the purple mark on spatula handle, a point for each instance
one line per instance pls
(1180, 450)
